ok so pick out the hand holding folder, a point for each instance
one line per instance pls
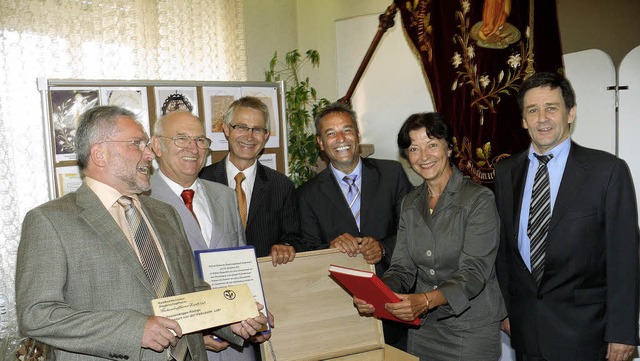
(369, 287)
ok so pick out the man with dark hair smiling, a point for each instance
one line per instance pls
(568, 258)
(354, 204)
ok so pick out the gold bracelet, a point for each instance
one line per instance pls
(428, 300)
(424, 314)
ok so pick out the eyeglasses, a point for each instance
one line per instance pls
(244, 129)
(141, 144)
(183, 141)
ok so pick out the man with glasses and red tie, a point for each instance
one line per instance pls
(89, 263)
(267, 200)
(209, 211)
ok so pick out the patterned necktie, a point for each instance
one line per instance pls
(151, 263)
(242, 198)
(149, 254)
(539, 216)
(187, 197)
(353, 197)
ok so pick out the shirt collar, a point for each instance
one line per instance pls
(175, 187)
(560, 150)
(232, 170)
(107, 194)
(356, 171)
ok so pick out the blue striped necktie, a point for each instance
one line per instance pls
(353, 197)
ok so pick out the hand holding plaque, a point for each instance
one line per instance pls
(206, 309)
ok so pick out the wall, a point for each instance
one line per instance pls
(288, 24)
(610, 25)
(270, 26)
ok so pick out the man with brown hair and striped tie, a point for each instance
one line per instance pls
(568, 258)
(90, 263)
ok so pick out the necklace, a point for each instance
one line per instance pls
(431, 194)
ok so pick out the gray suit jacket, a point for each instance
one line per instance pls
(80, 286)
(227, 228)
(453, 249)
(227, 232)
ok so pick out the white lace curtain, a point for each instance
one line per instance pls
(92, 39)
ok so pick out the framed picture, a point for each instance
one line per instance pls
(67, 104)
(216, 102)
(169, 99)
(131, 98)
(269, 96)
(68, 179)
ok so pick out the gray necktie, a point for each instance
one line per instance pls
(151, 263)
(539, 216)
(353, 197)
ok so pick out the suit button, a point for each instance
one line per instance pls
(432, 272)
(539, 297)
(429, 253)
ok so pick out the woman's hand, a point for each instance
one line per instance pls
(410, 307)
(363, 307)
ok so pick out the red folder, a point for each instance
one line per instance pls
(369, 287)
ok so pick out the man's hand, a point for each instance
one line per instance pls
(211, 344)
(282, 254)
(250, 326)
(347, 243)
(160, 333)
(371, 250)
(619, 351)
(505, 326)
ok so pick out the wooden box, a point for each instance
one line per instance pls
(314, 316)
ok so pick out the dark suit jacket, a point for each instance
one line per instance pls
(273, 214)
(588, 295)
(325, 214)
(80, 286)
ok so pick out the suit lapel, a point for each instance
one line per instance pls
(370, 182)
(217, 220)
(160, 190)
(220, 172)
(518, 179)
(108, 231)
(259, 192)
(331, 190)
(574, 171)
(166, 238)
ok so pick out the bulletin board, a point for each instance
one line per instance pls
(64, 100)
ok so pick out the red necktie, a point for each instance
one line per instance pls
(187, 197)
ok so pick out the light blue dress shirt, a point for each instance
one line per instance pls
(556, 169)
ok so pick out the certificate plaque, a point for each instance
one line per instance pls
(232, 266)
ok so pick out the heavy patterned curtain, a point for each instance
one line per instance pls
(476, 53)
(92, 39)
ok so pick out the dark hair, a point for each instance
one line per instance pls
(251, 103)
(435, 125)
(551, 80)
(96, 125)
(336, 107)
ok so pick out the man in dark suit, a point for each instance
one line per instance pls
(569, 275)
(209, 211)
(359, 216)
(272, 223)
(90, 263)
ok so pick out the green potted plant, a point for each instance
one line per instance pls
(301, 104)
